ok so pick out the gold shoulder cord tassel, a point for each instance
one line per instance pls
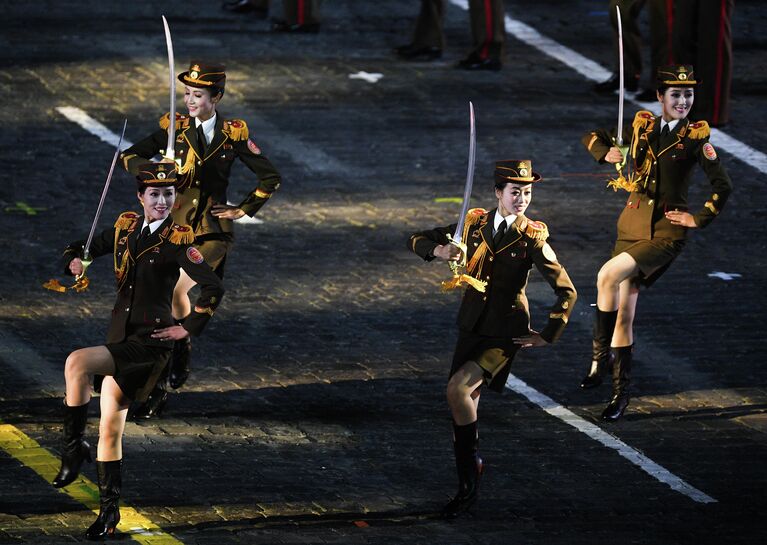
(643, 122)
(461, 279)
(464, 279)
(81, 284)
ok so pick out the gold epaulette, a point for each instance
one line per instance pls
(537, 230)
(474, 214)
(182, 121)
(699, 130)
(236, 129)
(126, 220)
(181, 234)
(644, 119)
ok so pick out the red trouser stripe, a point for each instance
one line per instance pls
(300, 12)
(488, 29)
(719, 62)
(669, 30)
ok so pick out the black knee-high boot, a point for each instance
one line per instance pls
(74, 450)
(110, 483)
(469, 466)
(604, 326)
(621, 381)
(180, 360)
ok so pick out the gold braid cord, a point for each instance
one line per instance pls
(643, 122)
(188, 167)
(461, 279)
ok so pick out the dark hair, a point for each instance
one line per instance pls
(215, 91)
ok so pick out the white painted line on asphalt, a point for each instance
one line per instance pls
(76, 115)
(370, 77)
(595, 72)
(598, 434)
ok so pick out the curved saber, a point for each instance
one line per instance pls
(86, 249)
(619, 136)
(169, 148)
(469, 176)
(456, 240)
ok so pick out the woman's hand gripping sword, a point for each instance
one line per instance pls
(81, 280)
(456, 240)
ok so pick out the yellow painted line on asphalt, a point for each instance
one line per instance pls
(29, 452)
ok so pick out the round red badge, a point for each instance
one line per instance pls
(194, 255)
(709, 151)
(253, 147)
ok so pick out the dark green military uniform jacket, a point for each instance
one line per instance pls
(502, 311)
(662, 175)
(205, 175)
(146, 276)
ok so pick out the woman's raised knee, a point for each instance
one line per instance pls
(75, 365)
(454, 392)
(607, 279)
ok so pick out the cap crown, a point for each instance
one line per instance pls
(204, 75)
(676, 75)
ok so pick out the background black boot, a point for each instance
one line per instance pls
(601, 356)
(110, 484)
(180, 360)
(469, 466)
(179, 363)
(621, 380)
(74, 449)
(154, 404)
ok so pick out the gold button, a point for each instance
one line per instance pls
(649, 203)
(199, 163)
(194, 201)
(491, 257)
(565, 304)
(484, 298)
(475, 245)
(197, 182)
(513, 254)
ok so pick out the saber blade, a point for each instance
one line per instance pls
(170, 147)
(621, 80)
(469, 176)
(86, 250)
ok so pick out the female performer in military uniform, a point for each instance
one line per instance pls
(652, 228)
(502, 246)
(148, 252)
(206, 147)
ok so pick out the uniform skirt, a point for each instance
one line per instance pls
(137, 366)
(492, 354)
(652, 256)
